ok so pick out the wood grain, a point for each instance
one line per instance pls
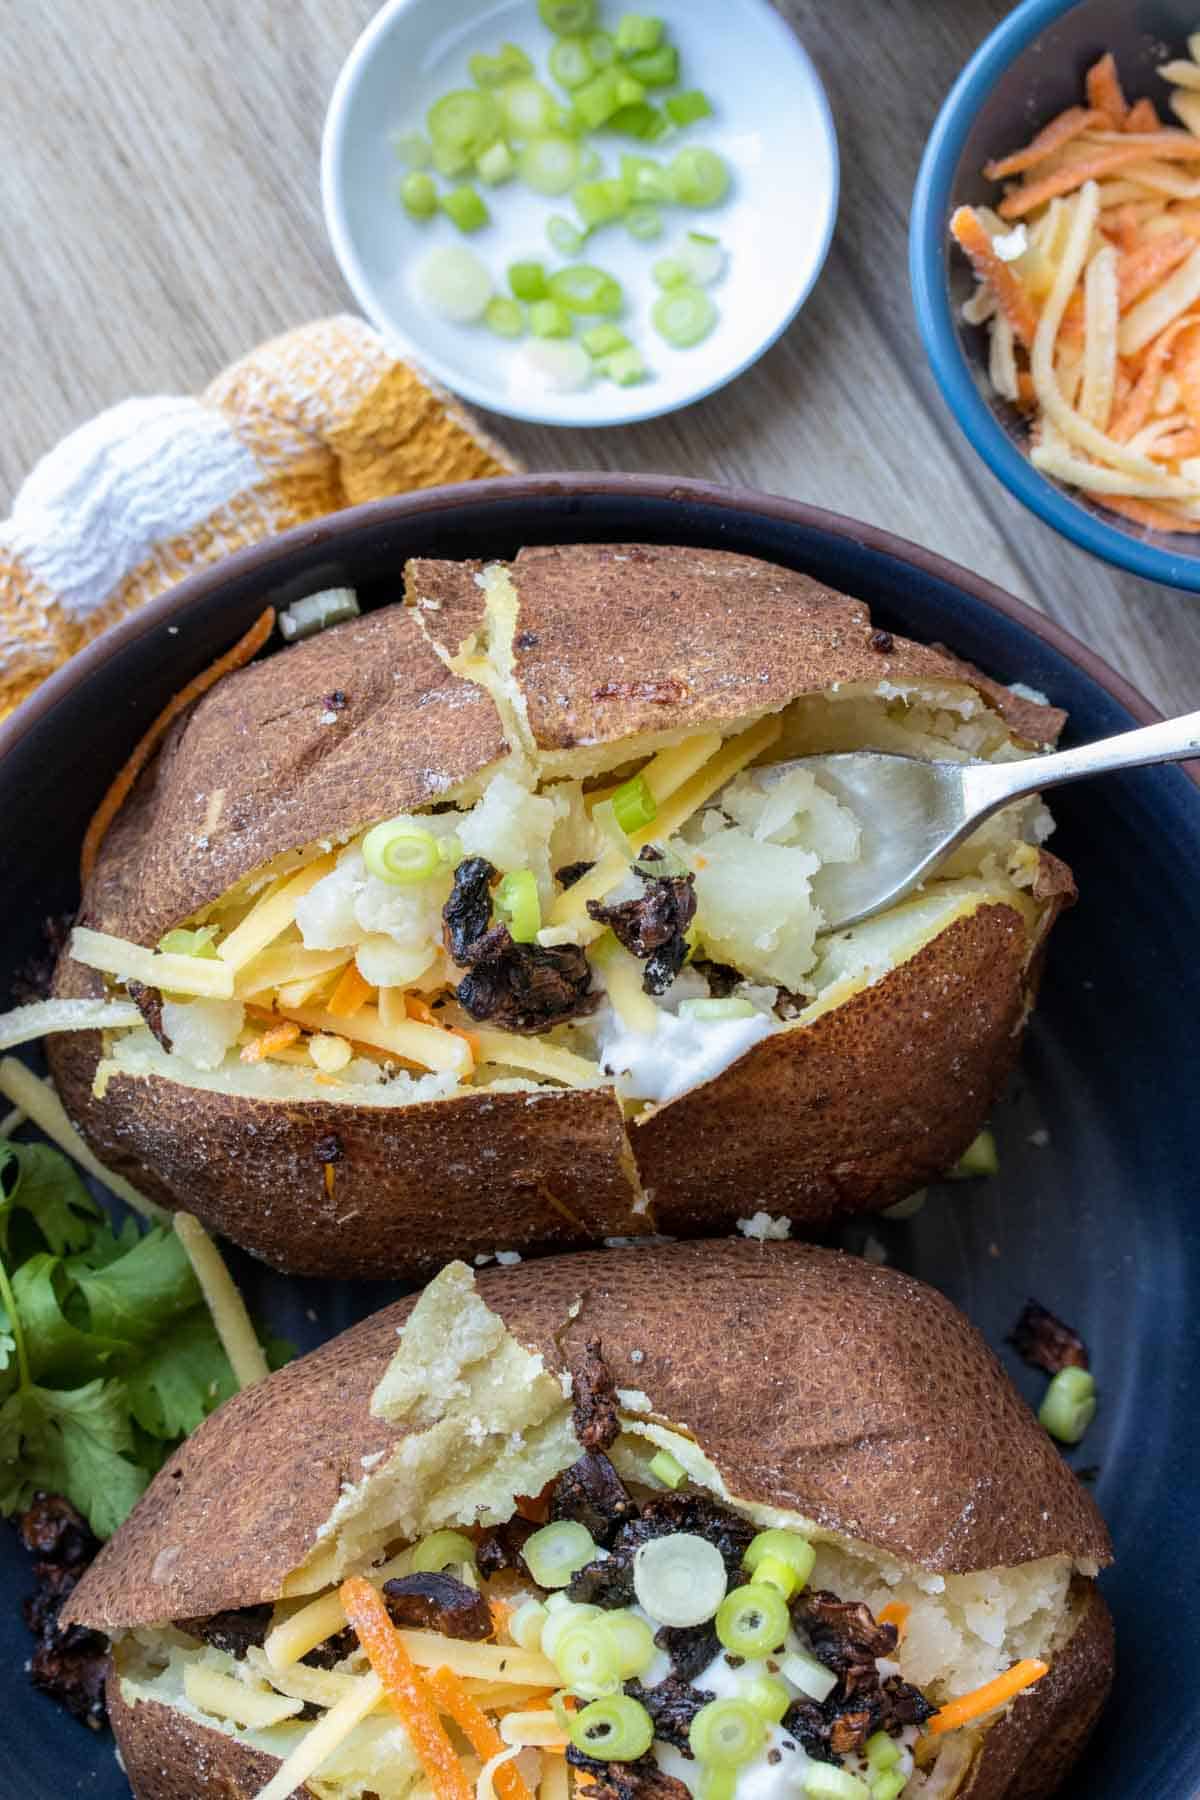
(162, 215)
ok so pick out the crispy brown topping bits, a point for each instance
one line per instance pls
(653, 926)
(34, 978)
(595, 1400)
(609, 1583)
(672, 1705)
(333, 1651)
(438, 1602)
(658, 693)
(592, 1492)
(722, 978)
(836, 1623)
(882, 641)
(500, 1548)
(1044, 1342)
(789, 1005)
(640, 1780)
(570, 873)
(521, 987)
(328, 1149)
(232, 1631)
(705, 1518)
(68, 1665)
(847, 1638)
(149, 1002)
(690, 1647)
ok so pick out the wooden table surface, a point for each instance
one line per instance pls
(161, 214)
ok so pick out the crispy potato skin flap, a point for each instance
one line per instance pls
(812, 1387)
(168, 1756)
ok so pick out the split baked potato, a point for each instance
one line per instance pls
(483, 924)
(838, 1454)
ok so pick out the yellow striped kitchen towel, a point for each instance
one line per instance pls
(319, 419)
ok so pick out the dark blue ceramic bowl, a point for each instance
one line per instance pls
(1030, 68)
(1096, 1210)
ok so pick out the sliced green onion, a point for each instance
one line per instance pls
(451, 161)
(582, 288)
(625, 367)
(517, 902)
(979, 1158)
(526, 1623)
(181, 942)
(562, 1618)
(889, 1786)
(561, 368)
(702, 257)
(528, 108)
(505, 317)
(616, 1729)
(596, 101)
(825, 1781)
(567, 17)
(590, 162)
(629, 91)
(441, 1550)
(642, 121)
(664, 1468)
(465, 120)
(315, 612)
(412, 148)
(558, 1706)
(547, 319)
(600, 202)
(769, 1697)
(564, 236)
(645, 179)
(634, 804)
(556, 1553)
(753, 1620)
(670, 272)
(907, 1208)
(450, 848)
(528, 280)
(683, 316)
(570, 63)
(726, 1733)
(464, 206)
(602, 48)
(419, 195)
(644, 223)
(699, 177)
(550, 164)
(679, 1579)
(714, 1011)
(1069, 1406)
(685, 109)
(883, 1752)
(605, 821)
(496, 164)
(656, 68)
(493, 71)
(809, 1675)
(781, 1546)
(637, 34)
(401, 854)
(588, 1660)
(602, 340)
(716, 1784)
(632, 1640)
(778, 1575)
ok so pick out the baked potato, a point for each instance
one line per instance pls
(839, 1433)
(483, 923)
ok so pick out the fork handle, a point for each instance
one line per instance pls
(991, 785)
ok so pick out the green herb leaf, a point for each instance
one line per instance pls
(41, 1182)
(183, 1377)
(57, 1349)
(75, 1442)
(139, 1294)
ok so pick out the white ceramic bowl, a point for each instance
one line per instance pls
(772, 122)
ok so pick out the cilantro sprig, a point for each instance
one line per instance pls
(108, 1356)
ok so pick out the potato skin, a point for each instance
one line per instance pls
(168, 1756)
(812, 1388)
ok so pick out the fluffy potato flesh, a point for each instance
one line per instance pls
(337, 982)
(485, 1423)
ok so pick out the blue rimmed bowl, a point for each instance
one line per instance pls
(1031, 67)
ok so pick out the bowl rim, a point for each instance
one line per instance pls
(277, 558)
(927, 262)
(333, 134)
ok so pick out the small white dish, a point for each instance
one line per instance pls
(772, 123)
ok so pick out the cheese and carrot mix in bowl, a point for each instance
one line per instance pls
(1089, 284)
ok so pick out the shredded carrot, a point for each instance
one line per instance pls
(1135, 409)
(985, 1699)
(277, 1037)
(420, 1010)
(1144, 512)
(1026, 391)
(1124, 225)
(1143, 268)
(330, 1178)
(350, 995)
(1142, 116)
(365, 1610)
(1052, 137)
(970, 233)
(119, 791)
(451, 1698)
(1104, 92)
(1170, 146)
(895, 1613)
(1185, 366)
